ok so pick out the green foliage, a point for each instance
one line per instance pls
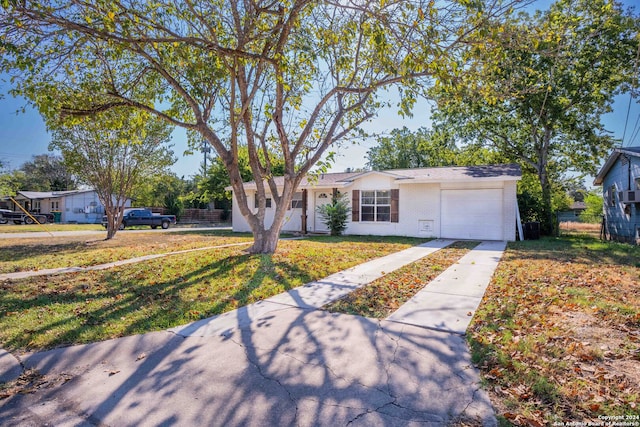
(47, 172)
(536, 87)
(593, 213)
(288, 78)
(213, 186)
(530, 197)
(163, 189)
(11, 182)
(174, 204)
(335, 214)
(404, 149)
(114, 152)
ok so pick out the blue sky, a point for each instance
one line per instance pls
(23, 135)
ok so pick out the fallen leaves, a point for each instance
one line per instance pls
(31, 381)
(384, 296)
(50, 311)
(555, 328)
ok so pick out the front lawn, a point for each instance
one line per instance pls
(81, 251)
(557, 337)
(49, 311)
(30, 228)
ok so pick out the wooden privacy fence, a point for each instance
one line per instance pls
(212, 216)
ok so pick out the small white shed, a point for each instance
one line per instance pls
(472, 202)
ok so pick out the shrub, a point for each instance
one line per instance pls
(335, 215)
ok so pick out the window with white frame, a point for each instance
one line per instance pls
(296, 202)
(375, 206)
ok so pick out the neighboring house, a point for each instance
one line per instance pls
(620, 180)
(574, 212)
(477, 202)
(77, 206)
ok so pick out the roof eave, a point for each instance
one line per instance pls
(466, 179)
(607, 166)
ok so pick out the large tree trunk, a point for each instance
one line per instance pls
(265, 238)
(547, 223)
(265, 241)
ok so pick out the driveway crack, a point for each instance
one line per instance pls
(267, 377)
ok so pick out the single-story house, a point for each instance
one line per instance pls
(574, 212)
(475, 202)
(620, 181)
(76, 206)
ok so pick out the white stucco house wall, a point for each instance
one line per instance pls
(76, 206)
(475, 202)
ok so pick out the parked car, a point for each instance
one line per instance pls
(142, 216)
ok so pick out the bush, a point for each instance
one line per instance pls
(335, 215)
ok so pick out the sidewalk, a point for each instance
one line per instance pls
(278, 362)
(448, 302)
(106, 266)
(312, 295)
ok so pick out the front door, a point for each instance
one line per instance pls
(322, 198)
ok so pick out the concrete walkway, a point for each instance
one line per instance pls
(448, 302)
(315, 294)
(106, 266)
(278, 362)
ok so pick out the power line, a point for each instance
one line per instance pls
(634, 134)
(626, 121)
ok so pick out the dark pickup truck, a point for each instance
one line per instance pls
(139, 216)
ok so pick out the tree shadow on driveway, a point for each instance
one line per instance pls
(289, 367)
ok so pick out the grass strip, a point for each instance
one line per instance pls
(385, 295)
(41, 313)
(29, 254)
(33, 228)
(557, 336)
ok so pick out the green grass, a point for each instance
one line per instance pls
(46, 312)
(37, 253)
(24, 228)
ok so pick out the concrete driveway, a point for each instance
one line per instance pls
(281, 362)
(294, 367)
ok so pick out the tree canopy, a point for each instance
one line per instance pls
(291, 78)
(47, 172)
(404, 149)
(539, 88)
(114, 152)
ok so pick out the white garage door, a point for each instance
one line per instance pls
(472, 214)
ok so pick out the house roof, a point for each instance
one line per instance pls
(617, 152)
(507, 172)
(578, 206)
(36, 195)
